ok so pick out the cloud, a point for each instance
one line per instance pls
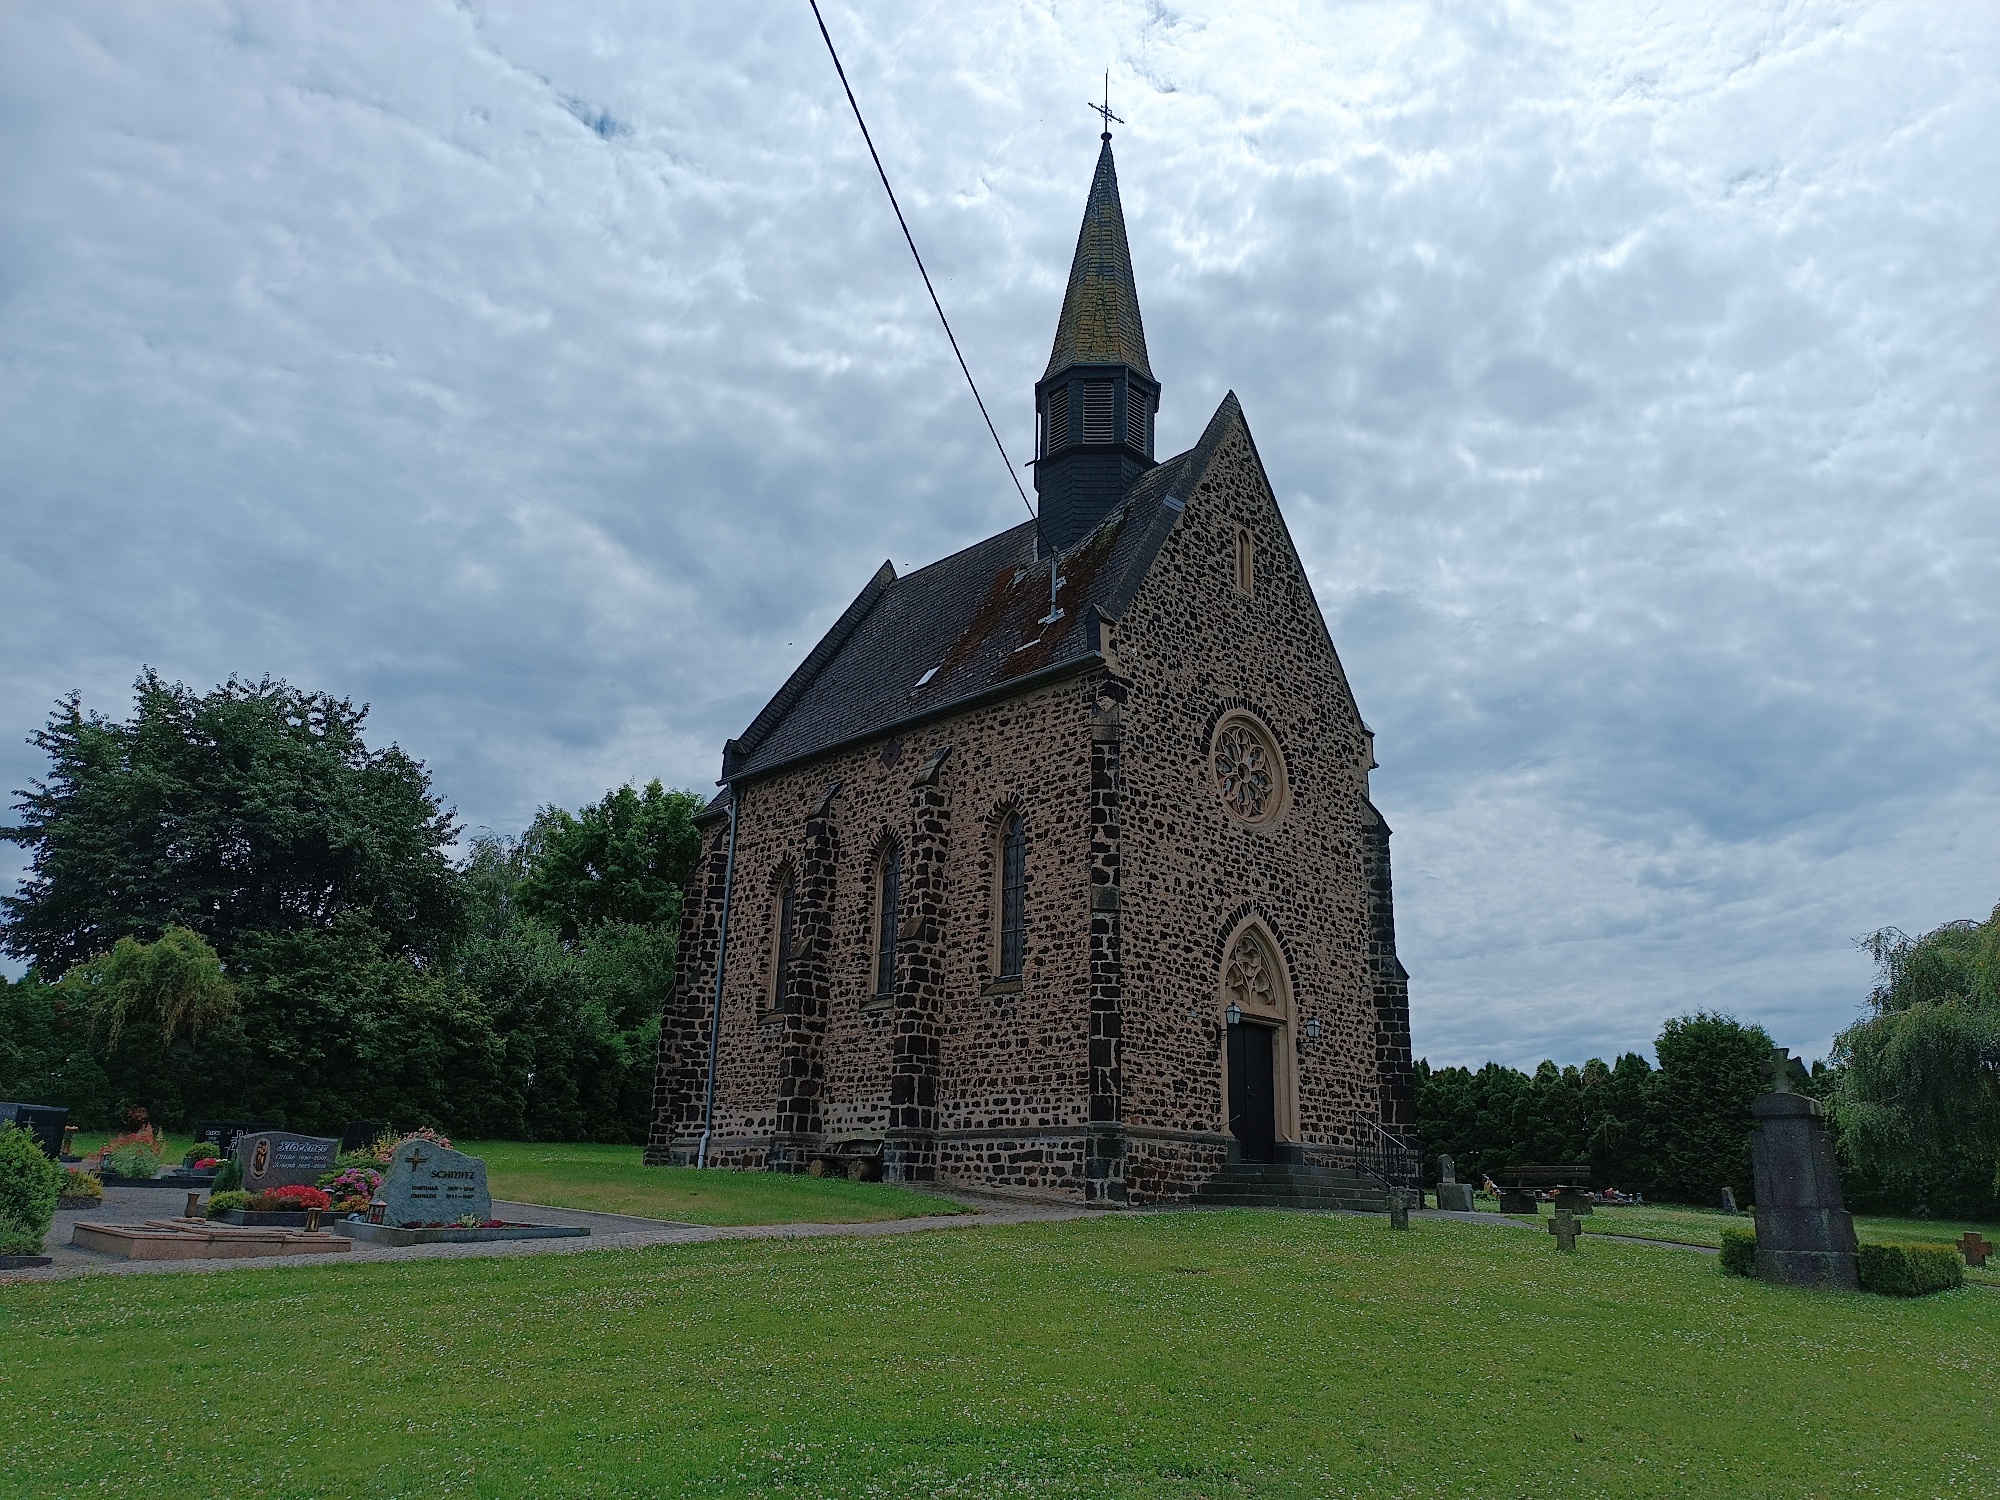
(552, 377)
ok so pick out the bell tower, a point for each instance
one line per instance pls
(1095, 405)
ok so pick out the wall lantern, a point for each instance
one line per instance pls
(1312, 1027)
(1235, 1013)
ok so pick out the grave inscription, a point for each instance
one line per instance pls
(277, 1158)
(428, 1184)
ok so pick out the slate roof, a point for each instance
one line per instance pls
(970, 625)
(1100, 312)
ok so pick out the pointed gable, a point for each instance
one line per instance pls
(1100, 313)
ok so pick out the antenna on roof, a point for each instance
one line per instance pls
(1104, 109)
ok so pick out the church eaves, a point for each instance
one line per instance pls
(1100, 312)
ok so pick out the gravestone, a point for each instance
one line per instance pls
(1453, 1196)
(359, 1135)
(45, 1122)
(1563, 1227)
(277, 1158)
(426, 1184)
(1805, 1235)
(1399, 1209)
(1729, 1200)
(1975, 1248)
(223, 1134)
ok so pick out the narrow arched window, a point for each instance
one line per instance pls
(781, 977)
(1013, 897)
(890, 897)
(1246, 561)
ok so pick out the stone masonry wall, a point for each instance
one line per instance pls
(1190, 648)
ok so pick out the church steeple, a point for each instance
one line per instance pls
(1094, 406)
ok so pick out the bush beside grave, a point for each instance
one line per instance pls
(221, 1203)
(1739, 1252)
(138, 1154)
(1909, 1270)
(80, 1189)
(29, 1185)
(229, 1176)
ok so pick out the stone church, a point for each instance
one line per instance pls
(1052, 868)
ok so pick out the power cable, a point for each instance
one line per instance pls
(910, 240)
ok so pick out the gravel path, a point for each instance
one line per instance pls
(607, 1232)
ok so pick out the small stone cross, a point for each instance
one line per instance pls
(1563, 1227)
(1781, 1070)
(1974, 1249)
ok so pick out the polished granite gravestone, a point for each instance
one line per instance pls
(277, 1158)
(1805, 1235)
(223, 1134)
(1452, 1195)
(44, 1122)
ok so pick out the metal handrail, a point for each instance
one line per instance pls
(1391, 1160)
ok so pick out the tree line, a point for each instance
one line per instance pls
(1911, 1089)
(236, 908)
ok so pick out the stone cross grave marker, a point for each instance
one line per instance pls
(1563, 1227)
(1974, 1248)
(1729, 1200)
(428, 1184)
(1447, 1168)
(277, 1158)
(1399, 1209)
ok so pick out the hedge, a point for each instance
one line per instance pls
(1909, 1270)
(1739, 1252)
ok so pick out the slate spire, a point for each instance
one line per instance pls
(1100, 322)
(1095, 404)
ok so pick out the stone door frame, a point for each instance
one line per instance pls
(1278, 1012)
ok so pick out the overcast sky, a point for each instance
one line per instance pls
(550, 377)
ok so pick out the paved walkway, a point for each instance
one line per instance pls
(607, 1232)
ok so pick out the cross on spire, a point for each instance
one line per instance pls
(1104, 109)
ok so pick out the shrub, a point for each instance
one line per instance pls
(1739, 1252)
(136, 1155)
(29, 1186)
(352, 1182)
(199, 1153)
(1909, 1270)
(81, 1184)
(220, 1203)
(229, 1176)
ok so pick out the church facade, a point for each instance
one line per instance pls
(1052, 868)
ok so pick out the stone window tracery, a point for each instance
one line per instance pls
(1249, 772)
(1247, 978)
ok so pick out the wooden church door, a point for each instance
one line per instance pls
(1253, 1102)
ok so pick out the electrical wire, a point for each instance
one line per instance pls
(910, 240)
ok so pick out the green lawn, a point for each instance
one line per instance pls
(612, 1180)
(1162, 1355)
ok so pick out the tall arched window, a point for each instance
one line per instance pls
(1013, 896)
(1246, 561)
(781, 954)
(889, 895)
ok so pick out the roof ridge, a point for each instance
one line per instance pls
(1192, 465)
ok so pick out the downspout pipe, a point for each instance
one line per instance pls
(721, 963)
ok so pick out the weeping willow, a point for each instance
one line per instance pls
(176, 984)
(1918, 1103)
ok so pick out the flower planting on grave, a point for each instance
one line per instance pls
(29, 1185)
(351, 1188)
(201, 1157)
(138, 1153)
(223, 1202)
(80, 1189)
(295, 1199)
(384, 1150)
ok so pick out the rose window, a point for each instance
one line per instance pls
(1247, 770)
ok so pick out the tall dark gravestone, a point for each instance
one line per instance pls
(1805, 1235)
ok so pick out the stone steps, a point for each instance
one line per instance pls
(1288, 1185)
